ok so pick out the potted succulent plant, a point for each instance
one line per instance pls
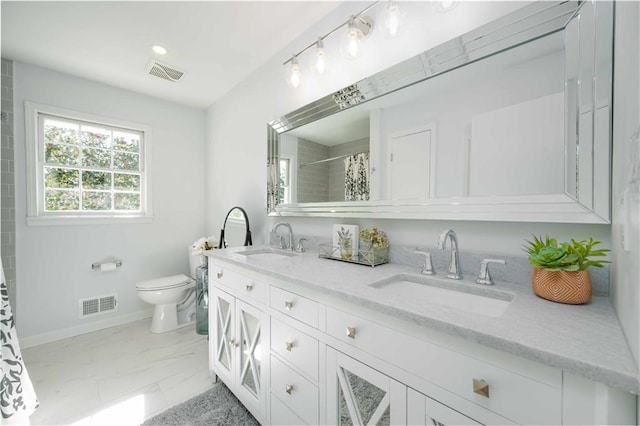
(561, 271)
(374, 247)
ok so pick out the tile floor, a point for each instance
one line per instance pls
(116, 376)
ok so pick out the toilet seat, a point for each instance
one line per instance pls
(164, 283)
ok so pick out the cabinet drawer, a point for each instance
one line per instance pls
(245, 286)
(295, 306)
(295, 347)
(294, 391)
(522, 396)
(282, 415)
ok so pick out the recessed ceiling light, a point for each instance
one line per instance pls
(159, 49)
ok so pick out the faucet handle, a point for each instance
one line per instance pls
(485, 277)
(300, 246)
(427, 268)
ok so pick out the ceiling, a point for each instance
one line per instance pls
(217, 43)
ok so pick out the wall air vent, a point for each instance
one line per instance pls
(98, 305)
(164, 71)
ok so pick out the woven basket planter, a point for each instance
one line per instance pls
(562, 286)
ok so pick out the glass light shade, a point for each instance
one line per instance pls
(319, 63)
(351, 40)
(392, 18)
(292, 73)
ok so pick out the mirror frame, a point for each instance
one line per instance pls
(526, 24)
(247, 236)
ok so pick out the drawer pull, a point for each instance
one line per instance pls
(288, 389)
(481, 387)
(288, 346)
(249, 287)
(351, 332)
(288, 305)
(219, 275)
(233, 343)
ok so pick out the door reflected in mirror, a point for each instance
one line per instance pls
(235, 231)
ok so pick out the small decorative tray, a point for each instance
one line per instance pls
(372, 257)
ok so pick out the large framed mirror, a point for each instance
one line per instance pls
(509, 122)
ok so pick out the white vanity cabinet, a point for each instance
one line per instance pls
(326, 360)
(236, 340)
(295, 359)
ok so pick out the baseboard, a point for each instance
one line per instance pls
(52, 336)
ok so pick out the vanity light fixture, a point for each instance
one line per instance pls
(292, 74)
(391, 18)
(358, 29)
(160, 50)
(319, 63)
(359, 26)
(444, 6)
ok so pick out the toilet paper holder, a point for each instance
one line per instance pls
(98, 265)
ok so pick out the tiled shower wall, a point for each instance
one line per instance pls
(7, 183)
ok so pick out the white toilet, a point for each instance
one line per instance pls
(174, 299)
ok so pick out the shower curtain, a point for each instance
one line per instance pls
(356, 177)
(17, 398)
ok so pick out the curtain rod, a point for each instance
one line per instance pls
(331, 159)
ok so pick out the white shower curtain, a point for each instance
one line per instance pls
(356, 177)
(17, 398)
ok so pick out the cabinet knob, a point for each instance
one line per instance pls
(249, 287)
(288, 305)
(351, 332)
(481, 387)
(219, 275)
(288, 389)
(288, 346)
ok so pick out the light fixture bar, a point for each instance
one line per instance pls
(315, 43)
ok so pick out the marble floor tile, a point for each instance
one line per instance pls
(120, 375)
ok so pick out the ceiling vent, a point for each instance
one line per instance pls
(164, 71)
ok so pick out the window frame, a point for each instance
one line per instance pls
(36, 214)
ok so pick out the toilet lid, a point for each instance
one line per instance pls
(164, 283)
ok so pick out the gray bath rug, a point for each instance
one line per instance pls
(217, 406)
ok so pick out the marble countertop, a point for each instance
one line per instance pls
(584, 340)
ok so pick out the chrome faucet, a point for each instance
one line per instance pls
(454, 268)
(282, 244)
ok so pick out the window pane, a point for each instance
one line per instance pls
(125, 161)
(93, 200)
(126, 182)
(66, 155)
(96, 158)
(56, 200)
(61, 178)
(126, 201)
(59, 131)
(126, 141)
(96, 180)
(96, 137)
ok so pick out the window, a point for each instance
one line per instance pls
(86, 168)
(284, 188)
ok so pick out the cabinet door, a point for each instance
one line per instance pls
(222, 331)
(422, 410)
(251, 352)
(359, 395)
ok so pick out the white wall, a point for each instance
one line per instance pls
(626, 199)
(54, 262)
(236, 132)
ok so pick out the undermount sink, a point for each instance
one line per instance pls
(454, 294)
(267, 253)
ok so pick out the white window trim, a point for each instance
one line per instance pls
(35, 209)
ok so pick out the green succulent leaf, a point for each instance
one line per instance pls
(574, 256)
